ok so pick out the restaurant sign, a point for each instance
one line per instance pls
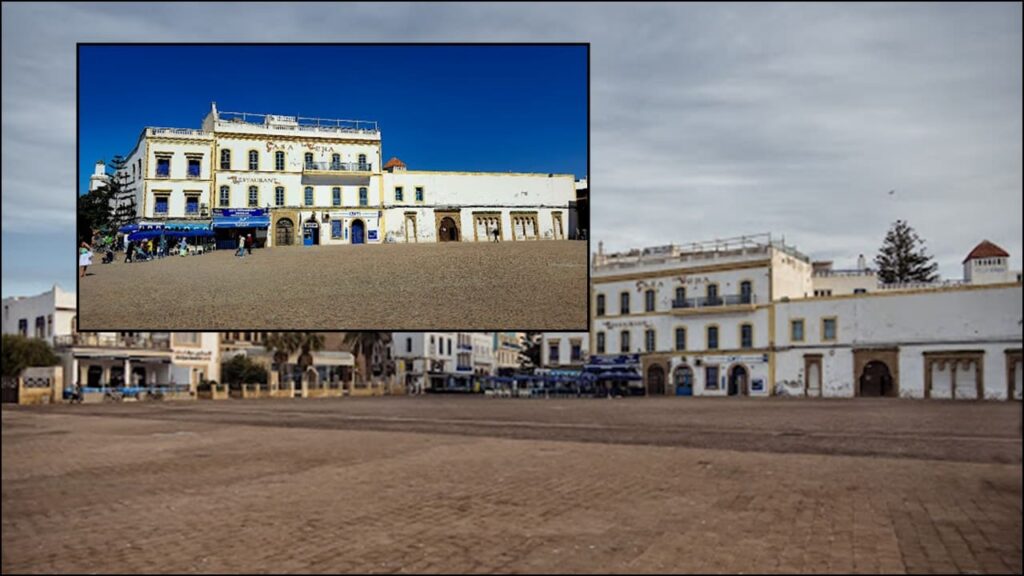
(192, 355)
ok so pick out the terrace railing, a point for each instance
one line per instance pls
(715, 301)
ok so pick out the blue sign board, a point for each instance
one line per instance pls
(238, 212)
(371, 235)
(614, 360)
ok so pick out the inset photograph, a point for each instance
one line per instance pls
(333, 187)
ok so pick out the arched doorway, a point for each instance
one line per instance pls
(94, 377)
(738, 378)
(284, 232)
(311, 232)
(656, 381)
(875, 380)
(447, 231)
(682, 377)
(358, 232)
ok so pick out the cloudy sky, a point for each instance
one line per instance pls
(706, 120)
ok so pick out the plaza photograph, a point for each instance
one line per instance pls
(254, 196)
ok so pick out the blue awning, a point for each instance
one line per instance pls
(242, 222)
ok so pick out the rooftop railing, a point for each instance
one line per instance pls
(111, 341)
(339, 166)
(156, 131)
(302, 123)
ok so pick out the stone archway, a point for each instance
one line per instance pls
(739, 381)
(876, 372)
(284, 232)
(682, 378)
(447, 230)
(656, 380)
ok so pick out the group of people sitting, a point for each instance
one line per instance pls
(145, 250)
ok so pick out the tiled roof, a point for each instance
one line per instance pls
(394, 162)
(986, 250)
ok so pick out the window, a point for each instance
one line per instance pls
(553, 352)
(408, 344)
(712, 294)
(649, 301)
(419, 193)
(575, 351)
(746, 335)
(362, 162)
(309, 196)
(680, 295)
(335, 228)
(796, 330)
(712, 338)
(254, 196)
(49, 325)
(649, 340)
(860, 291)
(828, 328)
(225, 159)
(279, 160)
(40, 326)
(23, 327)
(335, 161)
(309, 160)
(600, 304)
(680, 338)
(711, 378)
(398, 194)
(225, 197)
(192, 204)
(362, 197)
(163, 167)
(188, 338)
(449, 346)
(254, 160)
(600, 342)
(336, 196)
(161, 204)
(746, 292)
(624, 303)
(624, 342)
(193, 168)
(279, 195)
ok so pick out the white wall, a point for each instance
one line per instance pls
(56, 302)
(563, 340)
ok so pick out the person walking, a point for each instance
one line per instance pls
(129, 250)
(497, 234)
(84, 259)
(248, 243)
(241, 247)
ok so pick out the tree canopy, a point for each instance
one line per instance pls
(903, 258)
(20, 352)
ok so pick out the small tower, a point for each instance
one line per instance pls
(99, 177)
(395, 165)
(861, 263)
(987, 264)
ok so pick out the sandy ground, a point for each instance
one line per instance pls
(472, 484)
(442, 286)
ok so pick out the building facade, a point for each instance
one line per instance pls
(291, 180)
(46, 316)
(753, 316)
(443, 361)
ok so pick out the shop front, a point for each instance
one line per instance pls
(231, 223)
(354, 227)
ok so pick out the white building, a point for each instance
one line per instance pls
(564, 349)
(443, 361)
(752, 316)
(111, 358)
(44, 316)
(294, 180)
(507, 346)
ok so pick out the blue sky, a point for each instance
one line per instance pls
(488, 108)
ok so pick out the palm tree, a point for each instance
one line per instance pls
(367, 344)
(282, 345)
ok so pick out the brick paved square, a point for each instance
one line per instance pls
(471, 484)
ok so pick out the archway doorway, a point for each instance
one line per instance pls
(447, 230)
(875, 380)
(358, 232)
(682, 377)
(738, 378)
(94, 377)
(284, 232)
(655, 381)
(138, 376)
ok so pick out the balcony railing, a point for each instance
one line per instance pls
(714, 301)
(340, 166)
(111, 341)
(152, 131)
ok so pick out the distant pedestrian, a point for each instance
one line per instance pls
(248, 243)
(129, 251)
(241, 247)
(84, 259)
(497, 234)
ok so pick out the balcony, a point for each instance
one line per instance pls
(338, 167)
(111, 341)
(463, 368)
(714, 302)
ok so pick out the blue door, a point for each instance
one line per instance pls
(684, 381)
(357, 232)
